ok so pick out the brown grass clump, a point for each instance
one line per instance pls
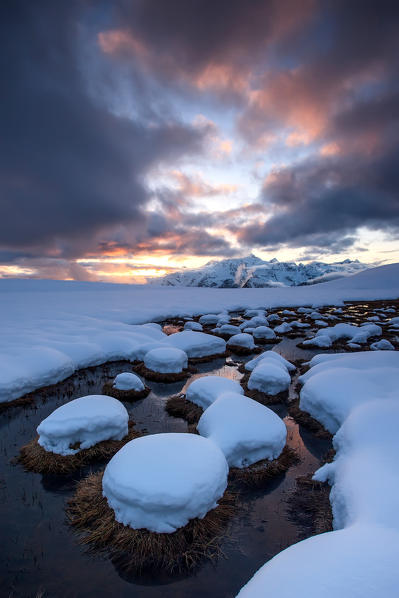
(142, 370)
(239, 350)
(309, 506)
(178, 406)
(306, 420)
(125, 395)
(259, 474)
(33, 457)
(206, 358)
(142, 550)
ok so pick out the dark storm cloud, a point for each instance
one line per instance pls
(69, 167)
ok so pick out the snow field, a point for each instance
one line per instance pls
(87, 420)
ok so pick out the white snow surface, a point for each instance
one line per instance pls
(269, 376)
(161, 481)
(87, 420)
(264, 333)
(193, 326)
(354, 334)
(128, 381)
(241, 340)
(197, 344)
(205, 390)
(356, 396)
(166, 360)
(52, 328)
(250, 365)
(245, 430)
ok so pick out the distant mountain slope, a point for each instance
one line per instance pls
(253, 272)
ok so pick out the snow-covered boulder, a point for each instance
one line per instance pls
(227, 330)
(273, 318)
(166, 360)
(204, 391)
(146, 347)
(128, 381)
(269, 377)
(197, 344)
(241, 341)
(283, 328)
(356, 334)
(87, 420)
(208, 319)
(193, 326)
(263, 333)
(245, 430)
(382, 345)
(257, 321)
(250, 365)
(160, 482)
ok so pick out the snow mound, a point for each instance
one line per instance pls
(227, 329)
(193, 326)
(264, 333)
(208, 319)
(283, 328)
(166, 360)
(250, 365)
(358, 562)
(269, 376)
(241, 340)
(197, 344)
(355, 334)
(160, 482)
(245, 430)
(382, 345)
(204, 391)
(128, 381)
(87, 420)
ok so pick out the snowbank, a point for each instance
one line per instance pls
(356, 396)
(245, 430)
(87, 420)
(354, 334)
(160, 482)
(197, 344)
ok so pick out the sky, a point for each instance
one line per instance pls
(139, 137)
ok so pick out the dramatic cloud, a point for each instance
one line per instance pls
(195, 128)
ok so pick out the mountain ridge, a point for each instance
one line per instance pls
(253, 272)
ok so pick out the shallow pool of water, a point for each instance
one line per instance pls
(39, 552)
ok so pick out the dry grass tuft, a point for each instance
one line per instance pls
(142, 550)
(178, 406)
(309, 506)
(125, 395)
(143, 371)
(206, 358)
(239, 350)
(259, 474)
(306, 420)
(33, 457)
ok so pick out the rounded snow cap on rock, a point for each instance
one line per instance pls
(193, 326)
(128, 381)
(241, 340)
(166, 360)
(270, 377)
(197, 344)
(245, 430)
(264, 332)
(87, 420)
(204, 391)
(160, 482)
